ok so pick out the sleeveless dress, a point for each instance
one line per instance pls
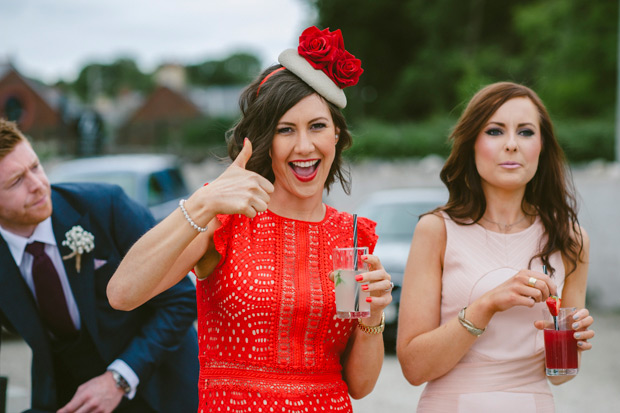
(504, 369)
(267, 328)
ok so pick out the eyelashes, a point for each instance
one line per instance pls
(499, 132)
(493, 132)
(314, 126)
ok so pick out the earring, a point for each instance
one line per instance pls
(337, 136)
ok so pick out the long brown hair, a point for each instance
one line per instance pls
(550, 192)
(261, 112)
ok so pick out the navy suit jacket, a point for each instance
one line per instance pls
(157, 340)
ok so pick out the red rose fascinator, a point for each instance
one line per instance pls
(322, 62)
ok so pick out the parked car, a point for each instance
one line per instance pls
(396, 212)
(155, 181)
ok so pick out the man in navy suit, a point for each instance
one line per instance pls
(86, 356)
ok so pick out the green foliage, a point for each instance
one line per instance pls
(237, 69)
(423, 58)
(109, 79)
(207, 132)
(572, 49)
(586, 140)
(581, 140)
(372, 138)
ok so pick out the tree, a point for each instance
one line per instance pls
(422, 58)
(109, 79)
(572, 53)
(237, 69)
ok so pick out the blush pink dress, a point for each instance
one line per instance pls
(504, 370)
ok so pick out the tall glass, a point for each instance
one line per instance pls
(561, 357)
(350, 298)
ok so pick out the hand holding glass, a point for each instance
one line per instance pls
(350, 298)
(560, 345)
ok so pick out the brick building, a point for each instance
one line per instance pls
(37, 109)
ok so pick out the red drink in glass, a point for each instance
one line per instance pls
(560, 345)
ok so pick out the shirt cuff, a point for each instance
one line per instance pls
(128, 374)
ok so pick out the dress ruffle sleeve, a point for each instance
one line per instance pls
(366, 234)
(222, 235)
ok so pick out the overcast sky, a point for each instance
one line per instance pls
(54, 39)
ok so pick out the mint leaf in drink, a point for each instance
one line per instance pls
(338, 278)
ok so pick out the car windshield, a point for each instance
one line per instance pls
(395, 221)
(125, 180)
(164, 186)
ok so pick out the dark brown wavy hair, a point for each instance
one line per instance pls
(260, 114)
(550, 193)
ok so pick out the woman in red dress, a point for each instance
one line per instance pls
(260, 241)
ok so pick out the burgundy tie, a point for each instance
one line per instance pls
(52, 302)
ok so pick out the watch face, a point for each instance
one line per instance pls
(121, 383)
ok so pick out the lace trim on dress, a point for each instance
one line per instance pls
(230, 395)
(315, 298)
(288, 298)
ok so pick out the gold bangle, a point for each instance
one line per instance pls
(373, 329)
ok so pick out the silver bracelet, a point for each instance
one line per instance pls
(469, 326)
(189, 219)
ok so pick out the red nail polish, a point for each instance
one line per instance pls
(359, 277)
(369, 299)
(364, 257)
(365, 287)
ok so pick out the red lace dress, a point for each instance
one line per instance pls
(267, 328)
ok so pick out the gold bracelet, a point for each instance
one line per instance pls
(373, 329)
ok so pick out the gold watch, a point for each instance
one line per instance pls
(373, 329)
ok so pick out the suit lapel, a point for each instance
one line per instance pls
(18, 304)
(19, 307)
(64, 218)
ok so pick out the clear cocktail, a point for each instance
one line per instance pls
(350, 298)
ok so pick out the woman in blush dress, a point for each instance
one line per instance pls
(260, 240)
(475, 284)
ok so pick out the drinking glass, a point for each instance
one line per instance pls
(350, 298)
(560, 344)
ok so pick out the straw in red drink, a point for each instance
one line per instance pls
(553, 303)
(357, 298)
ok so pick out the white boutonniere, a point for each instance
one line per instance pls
(80, 242)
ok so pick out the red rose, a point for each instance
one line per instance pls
(318, 47)
(345, 71)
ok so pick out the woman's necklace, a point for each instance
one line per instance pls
(505, 227)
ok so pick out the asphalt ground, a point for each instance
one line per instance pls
(595, 389)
